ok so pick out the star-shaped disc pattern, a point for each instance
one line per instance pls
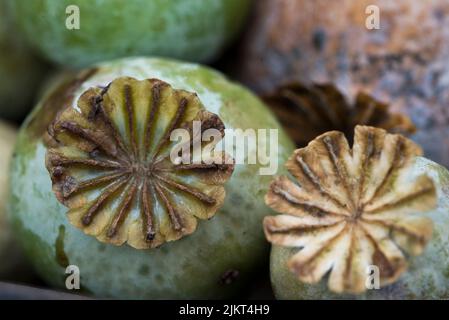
(110, 163)
(350, 209)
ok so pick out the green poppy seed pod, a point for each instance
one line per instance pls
(77, 33)
(362, 222)
(92, 184)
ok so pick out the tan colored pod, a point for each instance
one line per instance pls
(403, 63)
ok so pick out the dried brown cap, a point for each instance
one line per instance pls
(351, 208)
(110, 163)
(308, 111)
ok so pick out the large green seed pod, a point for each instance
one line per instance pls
(367, 222)
(97, 144)
(193, 30)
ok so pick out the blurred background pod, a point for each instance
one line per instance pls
(403, 63)
(21, 72)
(192, 30)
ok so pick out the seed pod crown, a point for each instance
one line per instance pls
(110, 163)
(351, 209)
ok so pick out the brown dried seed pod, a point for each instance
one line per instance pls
(403, 63)
(110, 164)
(308, 111)
(351, 208)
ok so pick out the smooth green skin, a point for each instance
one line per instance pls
(191, 30)
(21, 72)
(187, 268)
(426, 278)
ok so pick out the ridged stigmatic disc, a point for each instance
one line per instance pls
(110, 163)
(350, 209)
